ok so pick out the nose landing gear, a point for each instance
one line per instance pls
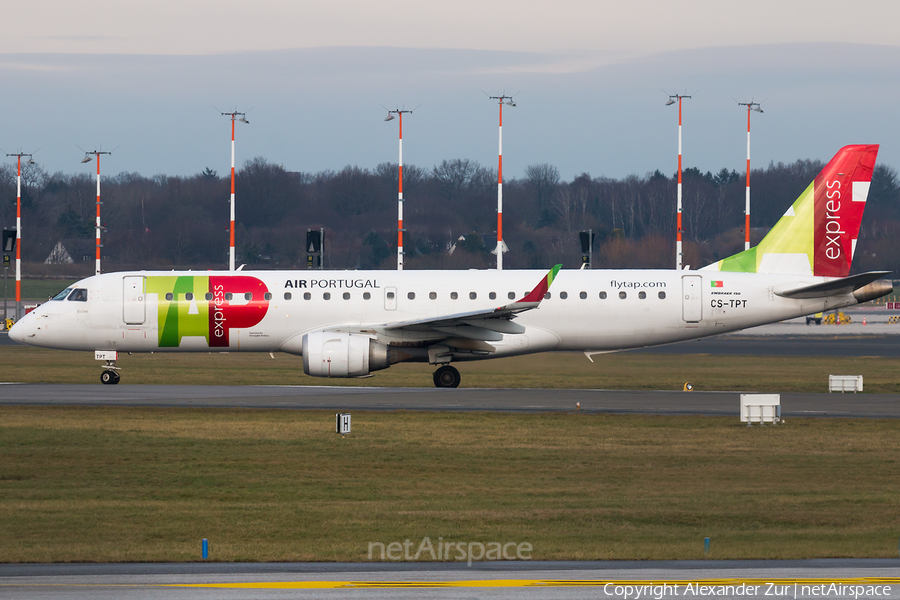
(109, 376)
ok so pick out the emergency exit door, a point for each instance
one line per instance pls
(692, 298)
(133, 301)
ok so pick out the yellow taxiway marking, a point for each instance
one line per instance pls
(498, 583)
(517, 583)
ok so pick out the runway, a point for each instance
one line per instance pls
(434, 399)
(497, 580)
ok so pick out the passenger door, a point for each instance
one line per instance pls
(134, 309)
(692, 298)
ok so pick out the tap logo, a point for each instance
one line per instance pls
(206, 306)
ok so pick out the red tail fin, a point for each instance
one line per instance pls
(840, 198)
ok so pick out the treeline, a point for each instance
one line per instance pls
(168, 222)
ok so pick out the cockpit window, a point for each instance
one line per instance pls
(78, 295)
(62, 295)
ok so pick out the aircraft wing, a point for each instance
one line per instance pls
(485, 325)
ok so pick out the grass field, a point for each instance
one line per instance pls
(143, 484)
(557, 370)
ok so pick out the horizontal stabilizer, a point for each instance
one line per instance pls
(836, 287)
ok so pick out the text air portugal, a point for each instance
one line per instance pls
(834, 197)
(224, 315)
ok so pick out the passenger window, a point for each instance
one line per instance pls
(390, 295)
(287, 296)
(472, 295)
(229, 296)
(583, 295)
(511, 295)
(208, 296)
(603, 295)
(492, 295)
(662, 295)
(367, 296)
(267, 295)
(78, 295)
(306, 296)
(432, 295)
(454, 295)
(411, 295)
(248, 296)
(189, 296)
(326, 296)
(547, 296)
(563, 295)
(642, 295)
(62, 295)
(622, 295)
(346, 295)
(169, 296)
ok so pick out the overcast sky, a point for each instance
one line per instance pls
(590, 78)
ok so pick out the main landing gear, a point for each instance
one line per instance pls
(446, 377)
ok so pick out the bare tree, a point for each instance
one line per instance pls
(563, 203)
(542, 179)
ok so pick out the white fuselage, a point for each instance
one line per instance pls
(587, 310)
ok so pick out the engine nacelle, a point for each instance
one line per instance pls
(876, 289)
(332, 354)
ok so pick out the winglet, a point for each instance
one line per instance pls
(537, 294)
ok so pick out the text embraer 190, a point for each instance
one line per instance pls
(350, 323)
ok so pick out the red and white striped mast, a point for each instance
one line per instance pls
(750, 106)
(19, 156)
(97, 226)
(501, 100)
(243, 119)
(679, 255)
(390, 117)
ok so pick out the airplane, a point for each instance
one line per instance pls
(352, 323)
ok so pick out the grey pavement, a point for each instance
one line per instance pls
(498, 580)
(434, 399)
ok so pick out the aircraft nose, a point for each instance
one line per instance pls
(17, 333)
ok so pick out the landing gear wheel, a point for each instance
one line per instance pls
(109, 377)
(446, 377)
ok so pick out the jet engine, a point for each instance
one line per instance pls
(876, 289)
(333, 354)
